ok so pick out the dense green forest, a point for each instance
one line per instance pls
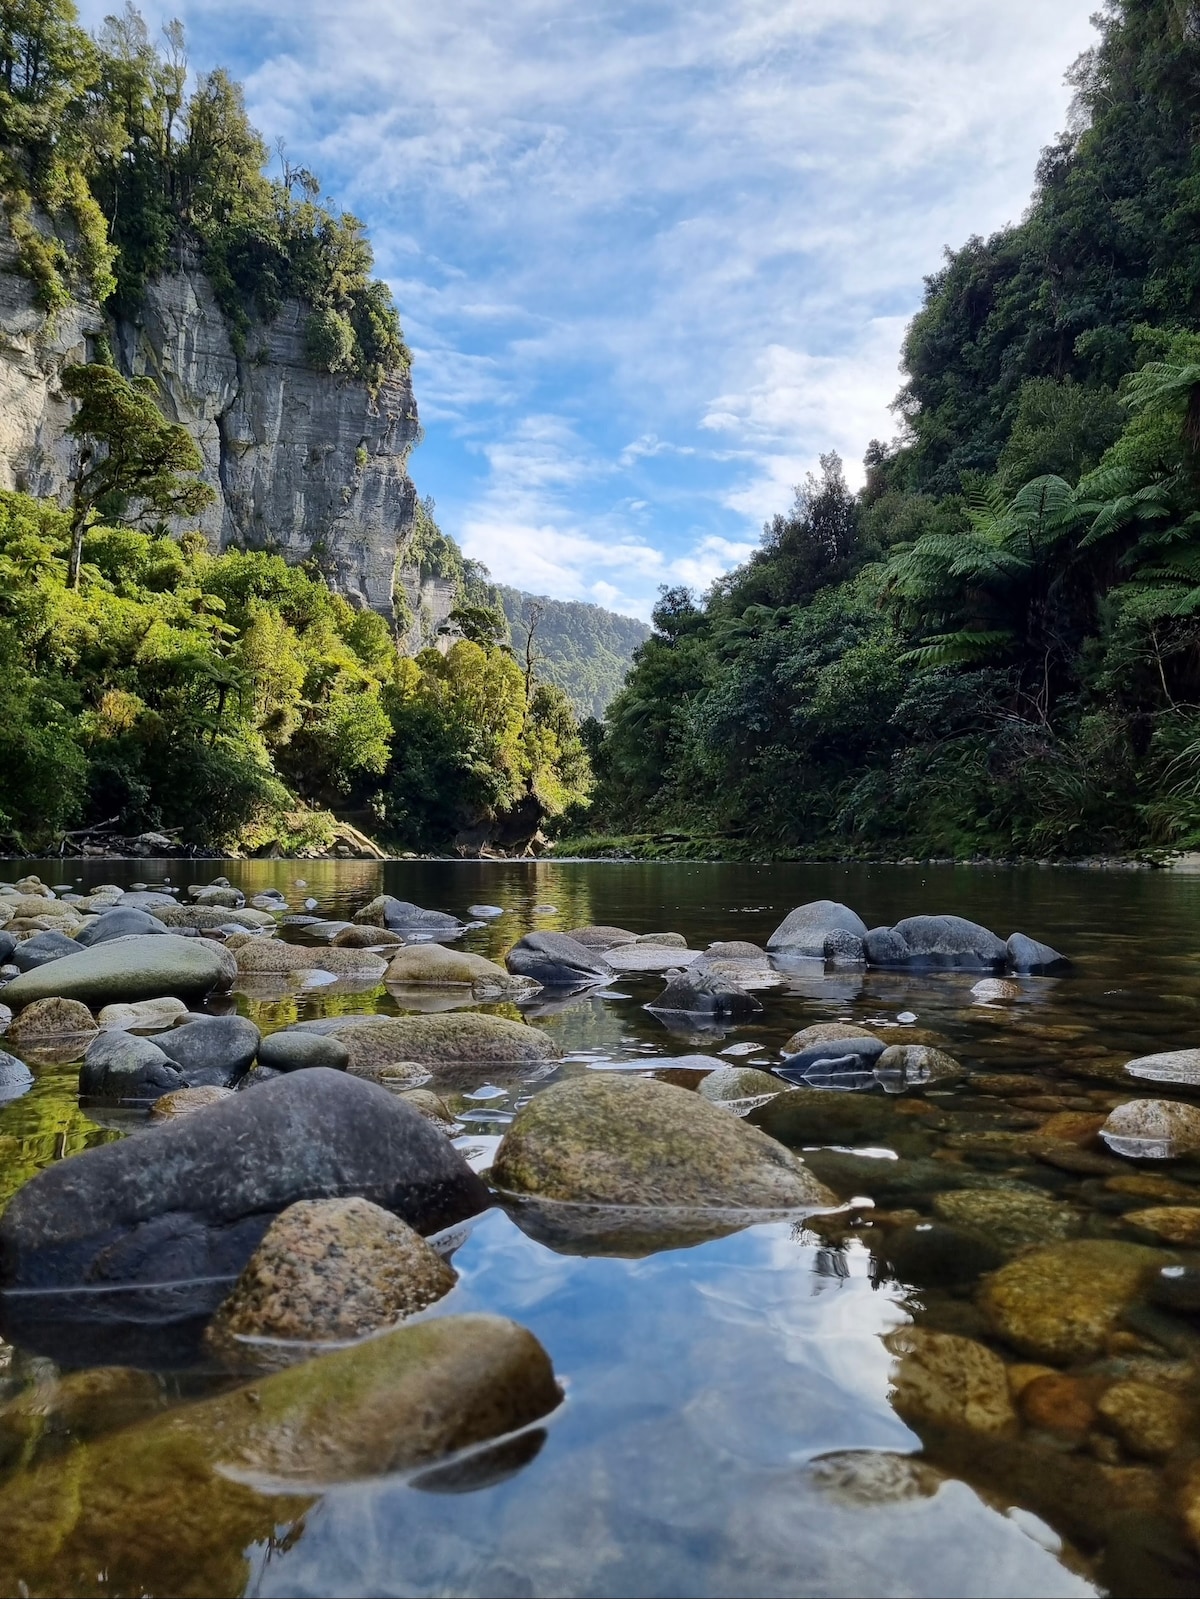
(583, 648)
(995, 646)
(144, 680)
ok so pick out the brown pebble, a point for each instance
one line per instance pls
(1060, 1403)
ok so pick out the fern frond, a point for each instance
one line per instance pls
(959, 649)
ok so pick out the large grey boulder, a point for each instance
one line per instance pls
(831, 1063)
(15, 1077)
(43, 948)
(1028, 956)
(187, 1202)
(120, 922)
(143, 967)
(146, 899)
(557, 961)
(211, 1051)
(292, 1050)
(402, 916)
(131, 1070)
(884, 946)
(950, 941)
(807, 930)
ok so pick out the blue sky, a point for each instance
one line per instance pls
(652, 259)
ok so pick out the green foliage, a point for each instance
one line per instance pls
(108, 168)
(583, 649)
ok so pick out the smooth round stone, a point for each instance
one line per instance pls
(738, 1085)
(1179, 1068)
(485, 912)
(290, 1051)
(602, 937)
(142, 967)
(1009, 1220)
(145, 1015)
(120, 922)
(1149, 1421)
(805, 930)
(365, 937)
(911, 1068)
(125, 1068)
(639, 957)
(1153, 1129)
(43, 948)
(15, 1077)
(1175, 1288)
(1174, 1224)
(186, 1101)
(48, 1019)
(449, 1039)
(993, 988)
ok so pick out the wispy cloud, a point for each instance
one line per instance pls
(653, 260)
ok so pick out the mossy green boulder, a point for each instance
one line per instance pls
(605, 1139)
(145, 966)
(177, 1504)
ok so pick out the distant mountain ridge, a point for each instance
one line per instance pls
(583, 648)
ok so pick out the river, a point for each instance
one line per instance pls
(728, 1427)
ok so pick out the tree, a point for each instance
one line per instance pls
(130, 453)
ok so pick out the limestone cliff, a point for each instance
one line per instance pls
(305, 463)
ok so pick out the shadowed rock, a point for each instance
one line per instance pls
(557, 961)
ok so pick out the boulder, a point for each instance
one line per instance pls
(805, 930)
(143, 967)
(556, 961)
(451, 1039)
(1153, 1129)
(188, 1202)
(432, 1106)
(941, 1380)
(640, 957)
(144, 1015)
(15, 1077)
(329, 1269)
(367, 936)
(403, 916)
(272, 956)
(121, 922)
(292, 1050)
(122, 1067)
(1060, 1302)
(211, 1051)
(884, 946)
(911, 1068)
(187, 1502)
(486, 913)
(203, 918)
(702, 993)
(186, 1101)
(1177, 1068)
(827, 1033)
(47, 1020)
(740, 1086)
(667, 940)
(217, 894)
(8, 942)
(42, 948)
(1027, 956)
(950, 941)
(735, 949)
(607, 1139)
(601, 938)
(840, 1063)
(440, 967)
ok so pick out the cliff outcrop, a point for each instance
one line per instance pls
(305, 463)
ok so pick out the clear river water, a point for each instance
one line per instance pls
(728, 1425)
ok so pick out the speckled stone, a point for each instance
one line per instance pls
(433, 1040)
(1174, 1224)
(186, 1101)
(271, 956)
(1010, 1220)
(825, 1033)
(50, 1019)
(1153, 1129)
(1148, 1421)
(942, 1380)
(330, 1270)
(1059, 1303)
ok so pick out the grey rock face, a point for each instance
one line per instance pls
(122, 1067)
(951, 941)
(191, 1199)
(805, 930)
(884, 946)
(43, 947)
(557, 961)
(121, 922)
(301, 460)
(15, 1077)
(142, 967)
(1027, 955)
(403, 916)
(211, 1051)
(291, 1051)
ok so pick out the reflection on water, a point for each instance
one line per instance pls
(728, 1425)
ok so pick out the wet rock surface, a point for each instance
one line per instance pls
(142, 967)
(557, 961)
(1061, 1302)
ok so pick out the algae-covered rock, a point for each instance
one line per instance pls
(464, 1036)
(1149, 1421)
(45, 1020)
(941, 1380)
(1011, 1219)
(734, 1085)
(801, 1116)
(912, 1068)
(330, 1270)
(1174, 1224)
(1060, 1302)
(143, 967)
(826, 1033)
(178, 1504)
(366, 936)
(602, 938)
(612, 1140)
(269, 955)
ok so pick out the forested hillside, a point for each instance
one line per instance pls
(584, 649)
(996, 646)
